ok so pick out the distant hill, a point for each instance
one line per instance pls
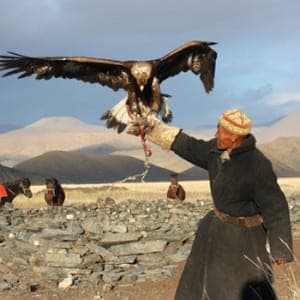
(282, 134)
(284, 154)
(59, 133)
(8, 127)
(285, 127)
(77, 167)
(71, 134)
(194, 173)
(10, 174)
(9, 160)
(101, 149)
(166, 159)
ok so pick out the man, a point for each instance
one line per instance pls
(228, 260)
(175, 190)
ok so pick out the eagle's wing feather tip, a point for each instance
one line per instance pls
(106, 115)
(121, 127)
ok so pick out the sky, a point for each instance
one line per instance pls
(258, 65)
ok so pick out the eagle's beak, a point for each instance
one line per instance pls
(141, 87)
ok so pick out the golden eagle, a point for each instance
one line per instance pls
(141, 79)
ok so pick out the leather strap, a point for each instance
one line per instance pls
(252, 221)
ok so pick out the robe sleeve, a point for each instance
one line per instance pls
(191, 149)
(275, 211)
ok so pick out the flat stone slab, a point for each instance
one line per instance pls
(119, 228)
(65, 260)
(5, 285)
(130, 259)
(118, 238)
(140, 247)
(104, 253)
(152, 259)
(92, 225)
(169, 236)
(58, 234)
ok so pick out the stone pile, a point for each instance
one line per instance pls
(294, 205)
(101, 242)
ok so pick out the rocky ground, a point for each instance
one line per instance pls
(130, 250)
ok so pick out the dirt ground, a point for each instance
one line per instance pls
(287, 282)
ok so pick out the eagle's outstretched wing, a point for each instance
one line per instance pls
(195, 56)
(107, 72)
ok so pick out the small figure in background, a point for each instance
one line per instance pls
(175, 191)
(10, 190)
(54, 193)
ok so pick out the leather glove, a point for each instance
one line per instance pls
(134, 127)
(156, 132)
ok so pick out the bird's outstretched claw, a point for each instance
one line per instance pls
(146, 148)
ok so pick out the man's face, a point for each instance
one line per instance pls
(225, 139)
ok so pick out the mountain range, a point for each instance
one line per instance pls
(78, 152)
(78, 167)
(10, 174)
(58, 133)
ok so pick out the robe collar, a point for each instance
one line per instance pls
(247, 145)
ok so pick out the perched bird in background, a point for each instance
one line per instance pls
(141, 79)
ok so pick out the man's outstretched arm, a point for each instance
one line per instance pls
(172, 138)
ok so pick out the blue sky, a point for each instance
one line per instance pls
(257, 68)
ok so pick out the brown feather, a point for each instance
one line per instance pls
(107, 72)
(195, 56)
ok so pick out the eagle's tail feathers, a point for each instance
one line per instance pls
(121, 127)
(117, 117)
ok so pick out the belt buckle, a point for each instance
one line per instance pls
(241, 220)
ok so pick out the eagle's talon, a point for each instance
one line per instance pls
(148, 152)
(146, 148)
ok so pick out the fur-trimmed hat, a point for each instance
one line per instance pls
(235, 121)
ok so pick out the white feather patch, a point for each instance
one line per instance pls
(119, 111)
(165, 108)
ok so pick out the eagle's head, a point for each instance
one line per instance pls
(141, 71)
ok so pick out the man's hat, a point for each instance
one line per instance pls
(235, 121)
